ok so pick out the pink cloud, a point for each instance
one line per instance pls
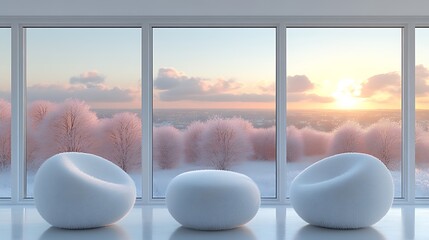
(176, 86)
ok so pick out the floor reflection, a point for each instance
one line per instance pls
(309, 232)
(408, 222)
(273, 223)
(241, 233)
(112, 232)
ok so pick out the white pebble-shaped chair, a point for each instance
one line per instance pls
(344, 191)
(79, 190)
(212, 199)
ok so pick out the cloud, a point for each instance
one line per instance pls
(88, 86)
(387, 82)
(422, 75)
(175, 86)
(299, 83)
(59, 93)
(88, 79)
(169, 78)
(308, 97)
(271, 88)
(297, 87)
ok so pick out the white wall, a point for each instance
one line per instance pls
(214, 7)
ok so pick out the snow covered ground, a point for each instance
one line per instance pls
(262, 172)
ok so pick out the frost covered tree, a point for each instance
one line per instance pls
(383, 140)
(120, 140)
(264, 143)
(315, 142)
(348, 137)
(69, 128)
(5, 133)
(294, 145)
(191, 141)
(241, 123)
(167, 147)
(36, 113)
(225, 142)
(422, 147)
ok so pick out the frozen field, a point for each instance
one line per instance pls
(262, 172)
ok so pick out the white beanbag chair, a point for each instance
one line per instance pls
(212, 199)
(345, 191)
(79, 190)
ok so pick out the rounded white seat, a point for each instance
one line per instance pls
(212, 199)
(79, 190)
(345, 191)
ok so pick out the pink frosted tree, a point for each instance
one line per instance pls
(347, 138)
(5, 110)
(422, 147)
(36, 113)
(120, 140)
(294, 144)
(242, 123)
(383, 140)
(264, 143)
(315, 142)
(191, 139)
(5, 133)
(167, 147)
(225, 142)
(69, 128)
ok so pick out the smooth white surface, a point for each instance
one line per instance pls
(348, 190)
(80, 190)
(212, 199)
(271, 223)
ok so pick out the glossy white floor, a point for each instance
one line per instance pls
(271, 223)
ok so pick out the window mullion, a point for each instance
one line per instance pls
(18, 113)
(146, 114)
(408, 113)
(281, 113)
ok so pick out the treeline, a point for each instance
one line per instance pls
(219, 142)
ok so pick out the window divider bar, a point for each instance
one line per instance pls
(18, 114)
(146, 110)
(408, 113)
(281, 105)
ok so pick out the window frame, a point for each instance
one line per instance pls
(18, 86)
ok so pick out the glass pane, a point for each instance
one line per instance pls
(90, 76)
(344, 95)
(5, 112)
(214, 103)
(422, 112)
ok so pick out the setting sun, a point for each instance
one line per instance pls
(347, 93)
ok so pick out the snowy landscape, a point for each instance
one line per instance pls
(229, 140)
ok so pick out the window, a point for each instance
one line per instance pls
(316, 86)
(344, 95)
(5, 112)
(214, 103)
(83, 95)
(422, 112)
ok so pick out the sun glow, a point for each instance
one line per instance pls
(347, 94)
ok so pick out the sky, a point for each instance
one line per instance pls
(422, 68)
(327, 68)
(5, 60)
(214, 67)
(339, 68)
(100, 66)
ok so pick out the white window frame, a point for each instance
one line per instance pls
(18, 86)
